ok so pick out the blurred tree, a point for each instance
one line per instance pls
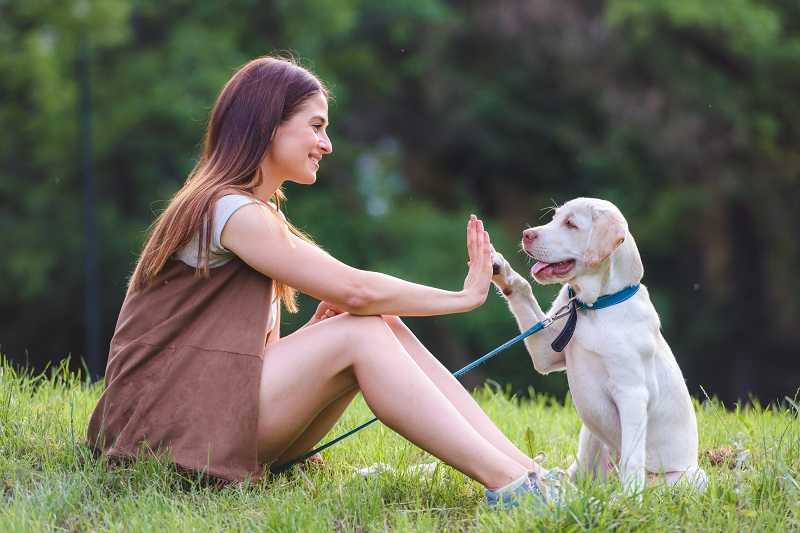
(679, 112)
(711, 97)
(682, 113)
(41, 272)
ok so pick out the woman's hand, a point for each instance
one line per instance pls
(479, 277)
(324, 310)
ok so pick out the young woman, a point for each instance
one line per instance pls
(198, 373)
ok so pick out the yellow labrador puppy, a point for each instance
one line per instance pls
(638, 418)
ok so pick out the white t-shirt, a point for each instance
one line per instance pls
(225, 207)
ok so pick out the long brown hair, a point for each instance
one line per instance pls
(260, 95)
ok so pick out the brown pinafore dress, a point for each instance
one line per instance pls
(183, 374)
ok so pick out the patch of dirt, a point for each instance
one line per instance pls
(726, 456)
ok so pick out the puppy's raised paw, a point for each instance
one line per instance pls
(502, 274)
(499, 264)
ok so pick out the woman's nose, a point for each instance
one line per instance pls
(325, 143)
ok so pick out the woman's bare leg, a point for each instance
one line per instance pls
(457, 394)
(306, 371)
(317, 428)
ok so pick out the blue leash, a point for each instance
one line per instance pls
(605, 301)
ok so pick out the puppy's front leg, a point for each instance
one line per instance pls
(517, 292)
(632, 408)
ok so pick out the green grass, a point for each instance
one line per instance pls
(47, 483)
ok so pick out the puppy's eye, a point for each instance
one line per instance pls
(570, 224)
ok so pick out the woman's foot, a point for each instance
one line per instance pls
(546, 487)
(314, 462)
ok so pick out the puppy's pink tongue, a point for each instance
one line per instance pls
(538, 267)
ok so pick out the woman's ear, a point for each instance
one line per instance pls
(607, 233)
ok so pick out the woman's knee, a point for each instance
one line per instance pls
(364, 330)
(372, 324)
(365, 338)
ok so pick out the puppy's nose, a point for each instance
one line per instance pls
(530, 234)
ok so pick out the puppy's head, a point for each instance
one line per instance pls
(582, 236)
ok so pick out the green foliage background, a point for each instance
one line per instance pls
(684, 113)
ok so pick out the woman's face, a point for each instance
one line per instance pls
(299, 144)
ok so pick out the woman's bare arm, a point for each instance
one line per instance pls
(258, 238)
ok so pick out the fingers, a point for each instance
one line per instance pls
(478, 242)
(471, 237)
(327, 310)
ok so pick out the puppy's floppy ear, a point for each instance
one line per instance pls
(605, 236)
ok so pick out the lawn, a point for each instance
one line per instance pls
(48, 483)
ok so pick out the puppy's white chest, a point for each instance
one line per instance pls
(588, 375)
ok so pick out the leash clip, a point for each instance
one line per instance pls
(561, 313)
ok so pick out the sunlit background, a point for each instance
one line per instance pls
(683, 113)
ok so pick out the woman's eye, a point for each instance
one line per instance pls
(316, 126)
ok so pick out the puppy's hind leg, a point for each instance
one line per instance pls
(593, 458)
